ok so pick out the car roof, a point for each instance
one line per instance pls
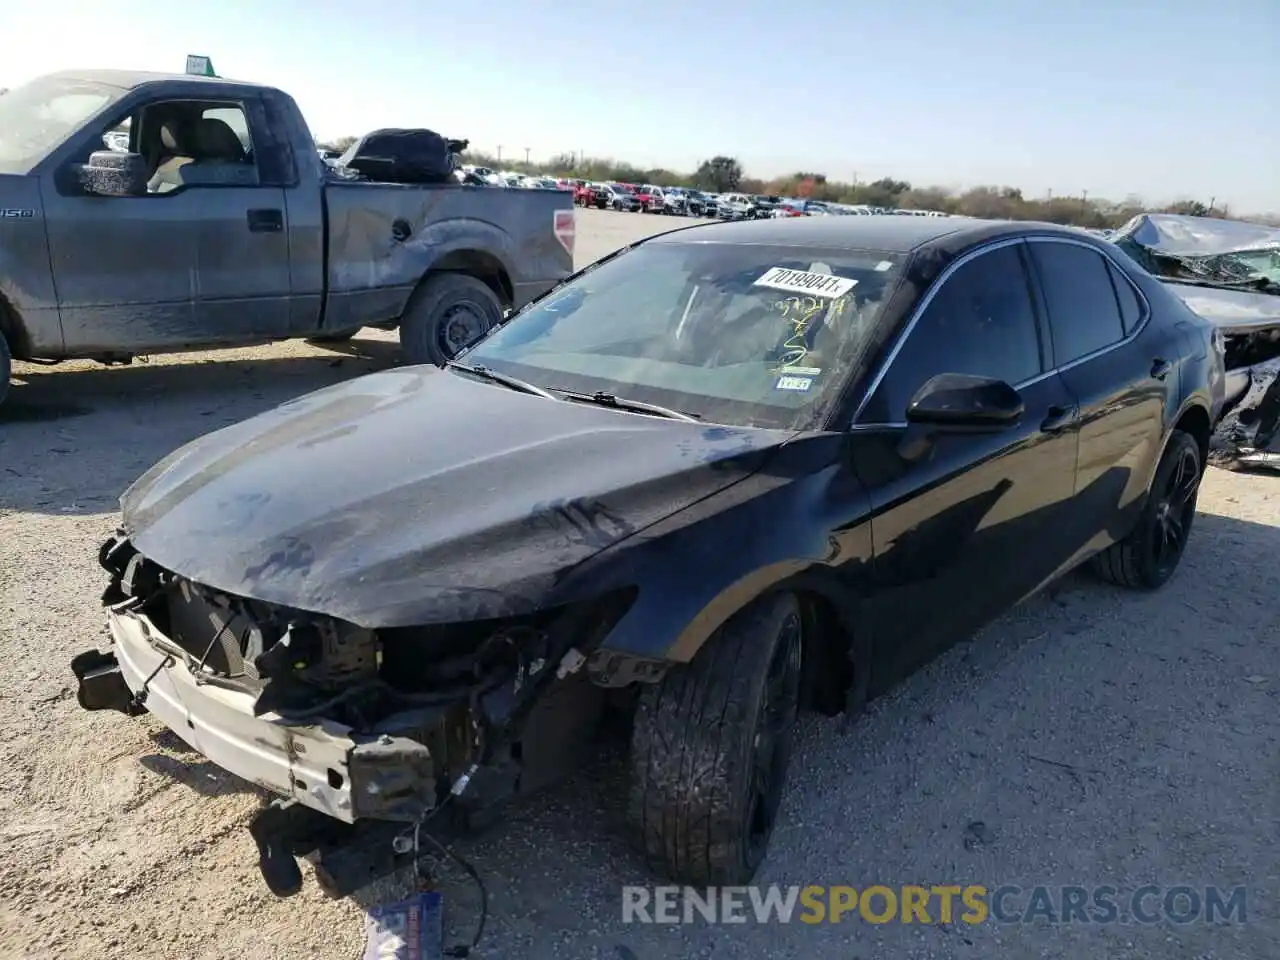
(887, 233)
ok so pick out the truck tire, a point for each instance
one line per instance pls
(448, 312)
(6, 367)
(710, 748)
(1147, 557)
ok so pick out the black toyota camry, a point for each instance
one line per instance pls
(730, 472)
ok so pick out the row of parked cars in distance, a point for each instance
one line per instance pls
(679, 201)
(686, 201)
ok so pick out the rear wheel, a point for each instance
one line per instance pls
(711, 746)
(446, 314)
(1150, 554)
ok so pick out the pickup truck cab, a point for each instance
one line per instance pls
(219, 225)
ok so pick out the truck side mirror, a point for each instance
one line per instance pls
(112, 174)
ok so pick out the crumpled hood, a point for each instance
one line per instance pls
(1235, 311)
(415, 496)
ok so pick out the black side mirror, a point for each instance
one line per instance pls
(958, 403)
(112, 174)
(965, 402)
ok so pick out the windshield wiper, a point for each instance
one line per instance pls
(621, 403)
(484, 373)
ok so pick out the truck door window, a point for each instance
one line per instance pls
(194, 144)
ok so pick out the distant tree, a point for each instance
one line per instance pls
(341, 145)
(1188, 208)
(719, 175)
(881, 193)
(926, 198)
(3, 91)
(563, 162)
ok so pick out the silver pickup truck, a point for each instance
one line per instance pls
(213, 222)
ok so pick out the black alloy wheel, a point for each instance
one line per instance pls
(1148, 556)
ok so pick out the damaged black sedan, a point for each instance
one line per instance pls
(729, 472)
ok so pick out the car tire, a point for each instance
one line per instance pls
(448, 312)
(6, 367)
(1147, 557)
(710, 748)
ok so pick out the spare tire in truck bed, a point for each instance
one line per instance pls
(394, 155)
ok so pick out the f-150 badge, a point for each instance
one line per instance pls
(16, 213)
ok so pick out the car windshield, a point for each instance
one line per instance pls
(36, 117)
(745, 335)
(622, 187)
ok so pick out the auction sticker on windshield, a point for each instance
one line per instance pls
(800, 384)
(801, 281)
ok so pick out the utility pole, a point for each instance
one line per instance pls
(1051, 194)
(1212, 201)
(1084, 200)
(499, 153)
(526, 156)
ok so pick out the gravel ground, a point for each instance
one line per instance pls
(1092, 736)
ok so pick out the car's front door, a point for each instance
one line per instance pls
(1122, 371)
(971, 527)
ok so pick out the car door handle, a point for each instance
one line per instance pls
(1059, 418)
(1160, 368)
(266, 221)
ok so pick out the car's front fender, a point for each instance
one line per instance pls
(696, 569)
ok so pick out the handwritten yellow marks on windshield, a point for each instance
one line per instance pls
(800, 313)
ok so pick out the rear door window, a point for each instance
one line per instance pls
(1084, 314)
(1127, 296)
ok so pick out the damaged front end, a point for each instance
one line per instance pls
(1229, 273)
(338, 720)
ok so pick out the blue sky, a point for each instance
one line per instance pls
(1164, 99)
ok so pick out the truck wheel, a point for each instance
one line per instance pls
(447, 313)
(710, 748)
(6, 367)
(1149, 555)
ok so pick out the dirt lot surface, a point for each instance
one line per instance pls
(1091, 737)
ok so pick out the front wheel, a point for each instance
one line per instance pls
(446, 314)
(711, 746)
(1150, 554)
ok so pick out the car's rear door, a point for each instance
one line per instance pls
(968, 530)
(1122, 370)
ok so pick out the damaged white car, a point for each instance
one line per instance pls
(1228, 271)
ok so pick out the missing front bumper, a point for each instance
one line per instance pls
(324, 765)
